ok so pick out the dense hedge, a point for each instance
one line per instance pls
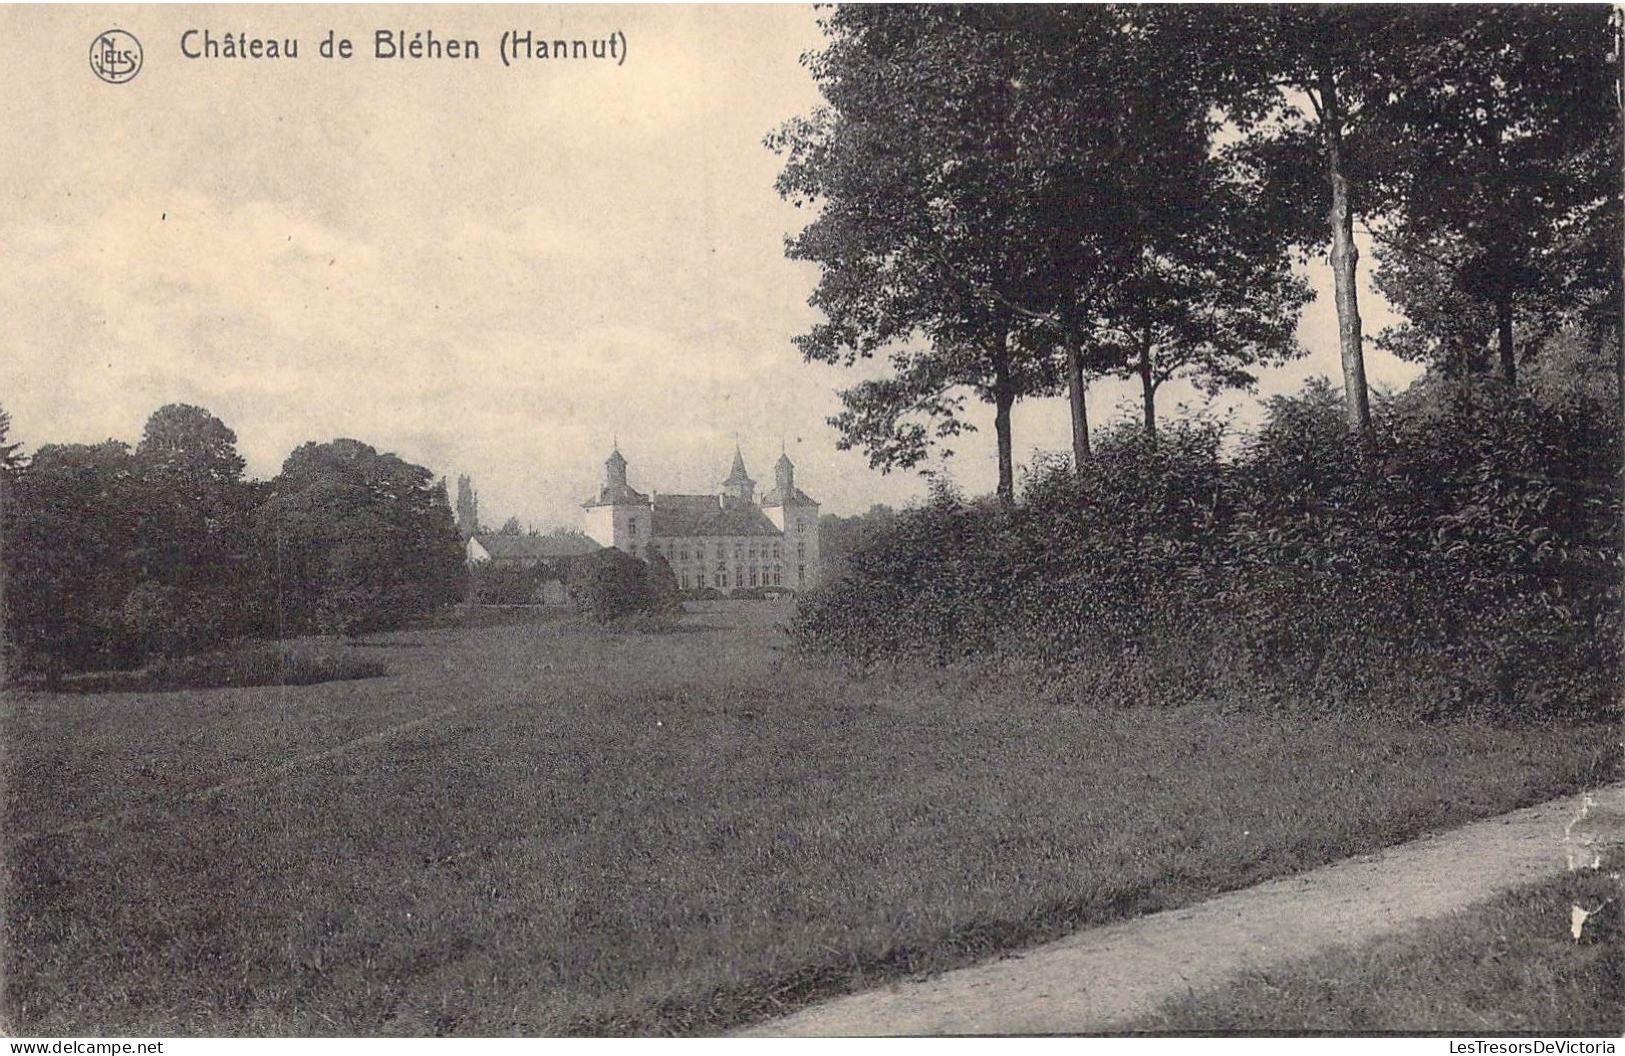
(1467, 560)
(610, 585)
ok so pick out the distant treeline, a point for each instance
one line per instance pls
(115, 556)
(1465, 558)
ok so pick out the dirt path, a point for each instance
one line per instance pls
(1098, 980)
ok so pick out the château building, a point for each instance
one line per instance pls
(727, 542)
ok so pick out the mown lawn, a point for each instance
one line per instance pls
(543, 828)
(1512, 966)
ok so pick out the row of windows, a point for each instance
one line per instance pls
(633, 525)
(741, 552)
(752, 578)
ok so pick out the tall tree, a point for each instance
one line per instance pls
(1216, 300)
(1307, 83)
(69, 564)
(975, 171)
(357, 540)
(189, 443)
(196, 513)
(11, 456)
(1505, 194)
(468, 507)
(11, 467)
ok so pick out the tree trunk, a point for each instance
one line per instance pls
(1075, 390)
(1148, 389)
(1503, 337)
(1004, 398)
(1344, 258)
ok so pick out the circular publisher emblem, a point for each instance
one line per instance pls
(115, 56)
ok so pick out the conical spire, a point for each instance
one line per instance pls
(739, 486)
(737, 475)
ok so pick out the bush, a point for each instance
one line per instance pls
(262, 664)
(506, 585)
(247, 664)
(610, 585)
(1466, 562)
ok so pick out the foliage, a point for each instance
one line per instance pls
(1505, 197)
(1471, 565)
(12, 459)
(248, 663)
(195, 528)
(262, 664)
(839, 536)
(1308, 87)
(665, 596)
(610, 585)
(116, 559)
(369, 540)
(72, 531)
(493, 584)
(468, 507)
(981, 174)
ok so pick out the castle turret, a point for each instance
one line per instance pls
(784, 475)
(615, 469)
(739, 487)
(620, 516)
(795, 513)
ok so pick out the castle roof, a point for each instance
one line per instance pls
(795, 497)
(707, 515)
(537, 547)
(618, 495)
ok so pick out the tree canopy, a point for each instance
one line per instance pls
(1010, 198)
(981, 176)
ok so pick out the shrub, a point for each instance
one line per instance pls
(609, 585)
(1466, 561)
(246, 664)
(505, 584)
(262, 664)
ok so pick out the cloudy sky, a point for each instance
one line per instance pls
(487, 270)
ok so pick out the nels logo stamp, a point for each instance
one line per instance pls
(115, 56)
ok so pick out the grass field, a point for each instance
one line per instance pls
(545, 828)
(1513, 966)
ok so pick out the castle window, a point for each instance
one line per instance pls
(801, 574)
(801, 551)
(801, 527)
(776, 578)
